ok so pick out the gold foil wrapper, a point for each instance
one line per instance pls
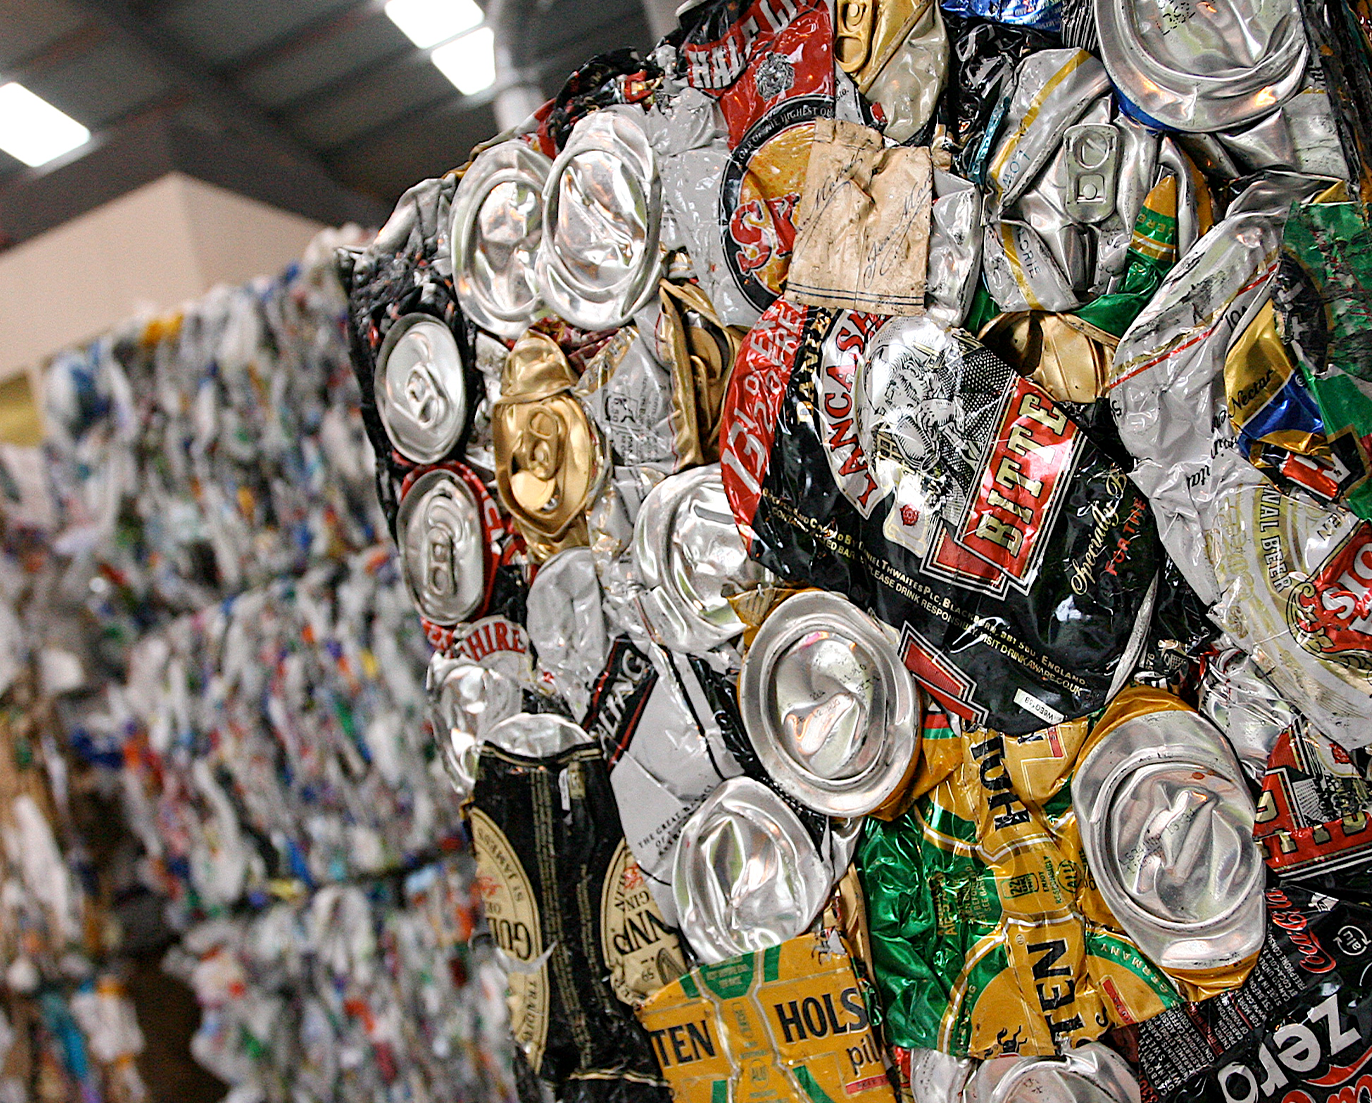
(1067, 357)
(700, 351)
(788, 1024)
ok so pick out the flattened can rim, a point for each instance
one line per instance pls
(654, 531)
(806, 615)
(1133, 748)
(1196, 102)
(619, 134)
(414, 490)
(509, 162)
(415, 444)
(745, 799)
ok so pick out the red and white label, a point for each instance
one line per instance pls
(753, 406)
(1029, 464)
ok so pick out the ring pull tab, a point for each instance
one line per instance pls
(853, 38)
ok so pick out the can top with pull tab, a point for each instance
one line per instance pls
(445, 531)
(421, 391)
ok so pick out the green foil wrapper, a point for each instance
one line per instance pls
(988, 935)
(1322, 295)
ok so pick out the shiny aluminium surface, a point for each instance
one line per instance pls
(439, 531)
(1245, 706)
(689, 557)
(599, 260)
(746, 875)
(828, 706)
(1203, 66)
(567, 625)
(536, 735)
(420, 388)
(466, 700)
(1089, 1073)
(1167, 828)
(497, 227)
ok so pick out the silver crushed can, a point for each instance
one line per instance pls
(421, 391)
(828, 706)
(746, 874)
(497, 227)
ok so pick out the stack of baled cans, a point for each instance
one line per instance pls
(886, 486)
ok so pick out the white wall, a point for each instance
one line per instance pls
(144, 253)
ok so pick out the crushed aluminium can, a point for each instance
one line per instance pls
(567, 625)
(786, 1024)
(1312, 816)
(1089, 1073)
(497, 226)
(746, 875)
(896, 52)
(1170, 414)
(578, 933)
(666, 753)
(1293, 579)
(692, 339)
(468, 698)
(598, 259)
(421, 388)
(770, 65)
(1245, 706)
(446, 531)
(1166, 825)
(1202, 67)
(1322, 309)
(828, 706)
(689, 559)
(1297, 1031)
(989, 935)
(549, 457)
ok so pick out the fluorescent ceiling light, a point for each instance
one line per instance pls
(469, 61)
(34, 131)
(428, 22)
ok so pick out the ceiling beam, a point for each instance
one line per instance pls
(225, 102)
(397, 59)
(60, 49)
(319, 29)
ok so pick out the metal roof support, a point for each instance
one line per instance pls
(166, 55)
(661, 17)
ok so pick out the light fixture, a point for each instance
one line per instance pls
(469, 61)
(428, 22)
(34, 131)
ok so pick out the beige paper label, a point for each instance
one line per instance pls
(862, 227)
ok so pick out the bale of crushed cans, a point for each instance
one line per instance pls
(885, 484)
(242, 668)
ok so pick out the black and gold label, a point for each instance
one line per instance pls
(641, 950)
(512, 914)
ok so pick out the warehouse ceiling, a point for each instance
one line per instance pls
(319, 106)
